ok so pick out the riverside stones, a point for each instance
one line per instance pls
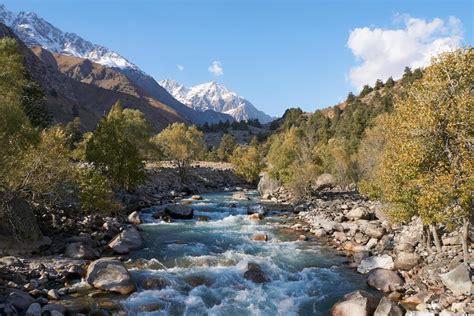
(33, 310)
(406, 260)
(384, 261)
(357, 303)
(358, 213)
(388, 308)
(260, 237)
(324, 181)
(374, 231)
(458, 280)
(384, 280)
(240, 196)
(127, 240)
(110, 275)
(134, 218)
(80, 250)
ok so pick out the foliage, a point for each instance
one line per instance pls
(95, 191)
(427, 168)
(115, 147)
(181, 144)
(247, 162)
(226, 147)
(365, 91)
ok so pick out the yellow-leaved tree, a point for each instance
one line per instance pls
(426, 168)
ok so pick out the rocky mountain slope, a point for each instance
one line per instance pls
(215, 96)
(35, 31)
(67, 98)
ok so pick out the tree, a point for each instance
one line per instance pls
(95, 191)
(115, 147)
(247, 162)
(365, 91)
(181, 144)
(427, 166)
(350, 97)
(226, 147)
(390, 83)
(378, 84)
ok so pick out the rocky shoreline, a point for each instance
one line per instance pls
(415, 279)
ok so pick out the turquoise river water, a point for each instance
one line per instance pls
(204, 263)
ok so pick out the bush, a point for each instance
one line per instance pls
(95, 192)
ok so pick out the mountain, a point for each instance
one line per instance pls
(67, 98)
(216, 97)
(34, 31)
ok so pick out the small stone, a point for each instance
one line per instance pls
(384, 261)
(255, 216)
(196, 197)
(384, 280)
(33, 310)
(260, 237)
(53, 294)
(255, 273)
(302, 238)
(134, 218)
(458, 280)
(406, 261)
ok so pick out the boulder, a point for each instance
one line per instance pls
(357, 303)
(458, 280)
(10, 261)
(129, 239)
(79, 250)
(260, 237)
(318, 233)
(177, 211)
(404, 247)
(33, 310)
(358, 213)
(374, 231)
(325, 181)
(110, 275)
(154, 282)
(255, 273)
(53, 307)
(406, 260)
(134, 218)
(203, 218)
(255, 216)
(340, 236)
(370, 263)
(240, 196)
(384, 280)
(19, 299)
(267, 185)
(302, 238)
(196, 197)
(388, 308)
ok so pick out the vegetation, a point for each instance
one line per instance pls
(181, 144)
(426, 166)
(226, 147)
(248, 162)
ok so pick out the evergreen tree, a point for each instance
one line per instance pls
(390, 83)
(226, 147)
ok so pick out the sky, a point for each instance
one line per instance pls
(275, 53)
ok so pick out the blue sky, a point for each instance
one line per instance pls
(277, 54)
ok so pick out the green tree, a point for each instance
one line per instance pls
(226, 147)
(116, 145)
(390, 83)
(95, 192)
(181, 144)
(365, 90)
(378, 84)
(247, 162)
(427, 166)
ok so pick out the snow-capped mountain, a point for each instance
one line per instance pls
(216, 97)
(35, 31)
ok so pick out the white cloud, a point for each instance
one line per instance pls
(216, 68)
(385, 52)
(180, 67)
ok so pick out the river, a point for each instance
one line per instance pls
(203, 264)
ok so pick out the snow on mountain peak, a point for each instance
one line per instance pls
(35, 31)
(215, 96)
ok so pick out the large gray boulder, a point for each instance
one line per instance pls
(406, 260)
(267, 185)
(110, 275)
(129, 239)
(360, 212)
(357, 303)
(19, 299)
(177, 211)
(388, 308)
(367, 264)
(384, 280)
(325, 181)
(80, 250)
(458, 280)
(19, 230)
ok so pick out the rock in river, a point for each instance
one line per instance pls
(110, 275)
(134, 218)
(255, 273)
(357, 303)
(127, 240)
(240, 196)
(177, 211)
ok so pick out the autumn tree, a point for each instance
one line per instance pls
(427, 165)
(226, 147)
(181, 144)
(247, 162)
(115, 147)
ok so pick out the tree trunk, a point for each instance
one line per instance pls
(464, 237)
(436, 241)
(427, 238)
